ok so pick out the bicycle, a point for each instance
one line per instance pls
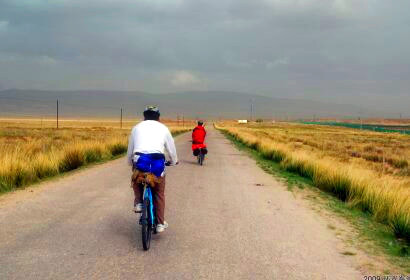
(148, 219)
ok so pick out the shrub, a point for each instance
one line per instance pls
(72, 159)
(44, 166)
(400, 163)
(373, 157)
(401, 226)
(20, 176)
(117, 149)
(93, 154)
(5, 185)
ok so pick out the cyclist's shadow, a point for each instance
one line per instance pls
(127, 228)
(194, 161)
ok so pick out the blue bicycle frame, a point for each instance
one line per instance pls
(148, 194)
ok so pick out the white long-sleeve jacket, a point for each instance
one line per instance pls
(150, 137)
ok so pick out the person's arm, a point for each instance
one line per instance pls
(170, 146)
(193, 134)
(130, 151)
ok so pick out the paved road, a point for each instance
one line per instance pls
(222, 226)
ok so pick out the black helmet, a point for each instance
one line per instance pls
(151, 113)
(200, 122)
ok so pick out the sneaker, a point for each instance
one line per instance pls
(162, 227)
(138, 208)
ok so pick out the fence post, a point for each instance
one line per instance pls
(57, 113)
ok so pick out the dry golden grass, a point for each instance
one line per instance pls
(31, 150)
(366, 169)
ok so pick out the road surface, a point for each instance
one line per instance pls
(227, 220)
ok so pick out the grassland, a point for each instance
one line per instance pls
(404, 129)
(33, 149)
(367, 170)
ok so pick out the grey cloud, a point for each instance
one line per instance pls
(313, 48)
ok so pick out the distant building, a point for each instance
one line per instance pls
(242, 121)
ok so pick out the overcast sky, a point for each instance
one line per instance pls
(337, 50)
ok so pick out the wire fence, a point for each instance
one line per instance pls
(57, 113)
(68, 112)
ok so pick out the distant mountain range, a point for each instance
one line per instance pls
(201, 104)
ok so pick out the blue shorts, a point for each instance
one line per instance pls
(154, 163)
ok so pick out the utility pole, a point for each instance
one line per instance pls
(183, 121)
(121, 119)
(251, 101)
(57, 113)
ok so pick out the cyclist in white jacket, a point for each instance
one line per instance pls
(146, 152)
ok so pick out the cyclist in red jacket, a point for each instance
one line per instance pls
(198, 139)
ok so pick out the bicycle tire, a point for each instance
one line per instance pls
(202, 156)
(146, 225)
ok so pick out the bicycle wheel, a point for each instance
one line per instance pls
(146, 225)
(202, 157)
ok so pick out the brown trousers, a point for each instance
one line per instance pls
(158, 193)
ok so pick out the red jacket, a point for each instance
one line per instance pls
(198, 137)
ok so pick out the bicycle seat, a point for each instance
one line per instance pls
(144, 177)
